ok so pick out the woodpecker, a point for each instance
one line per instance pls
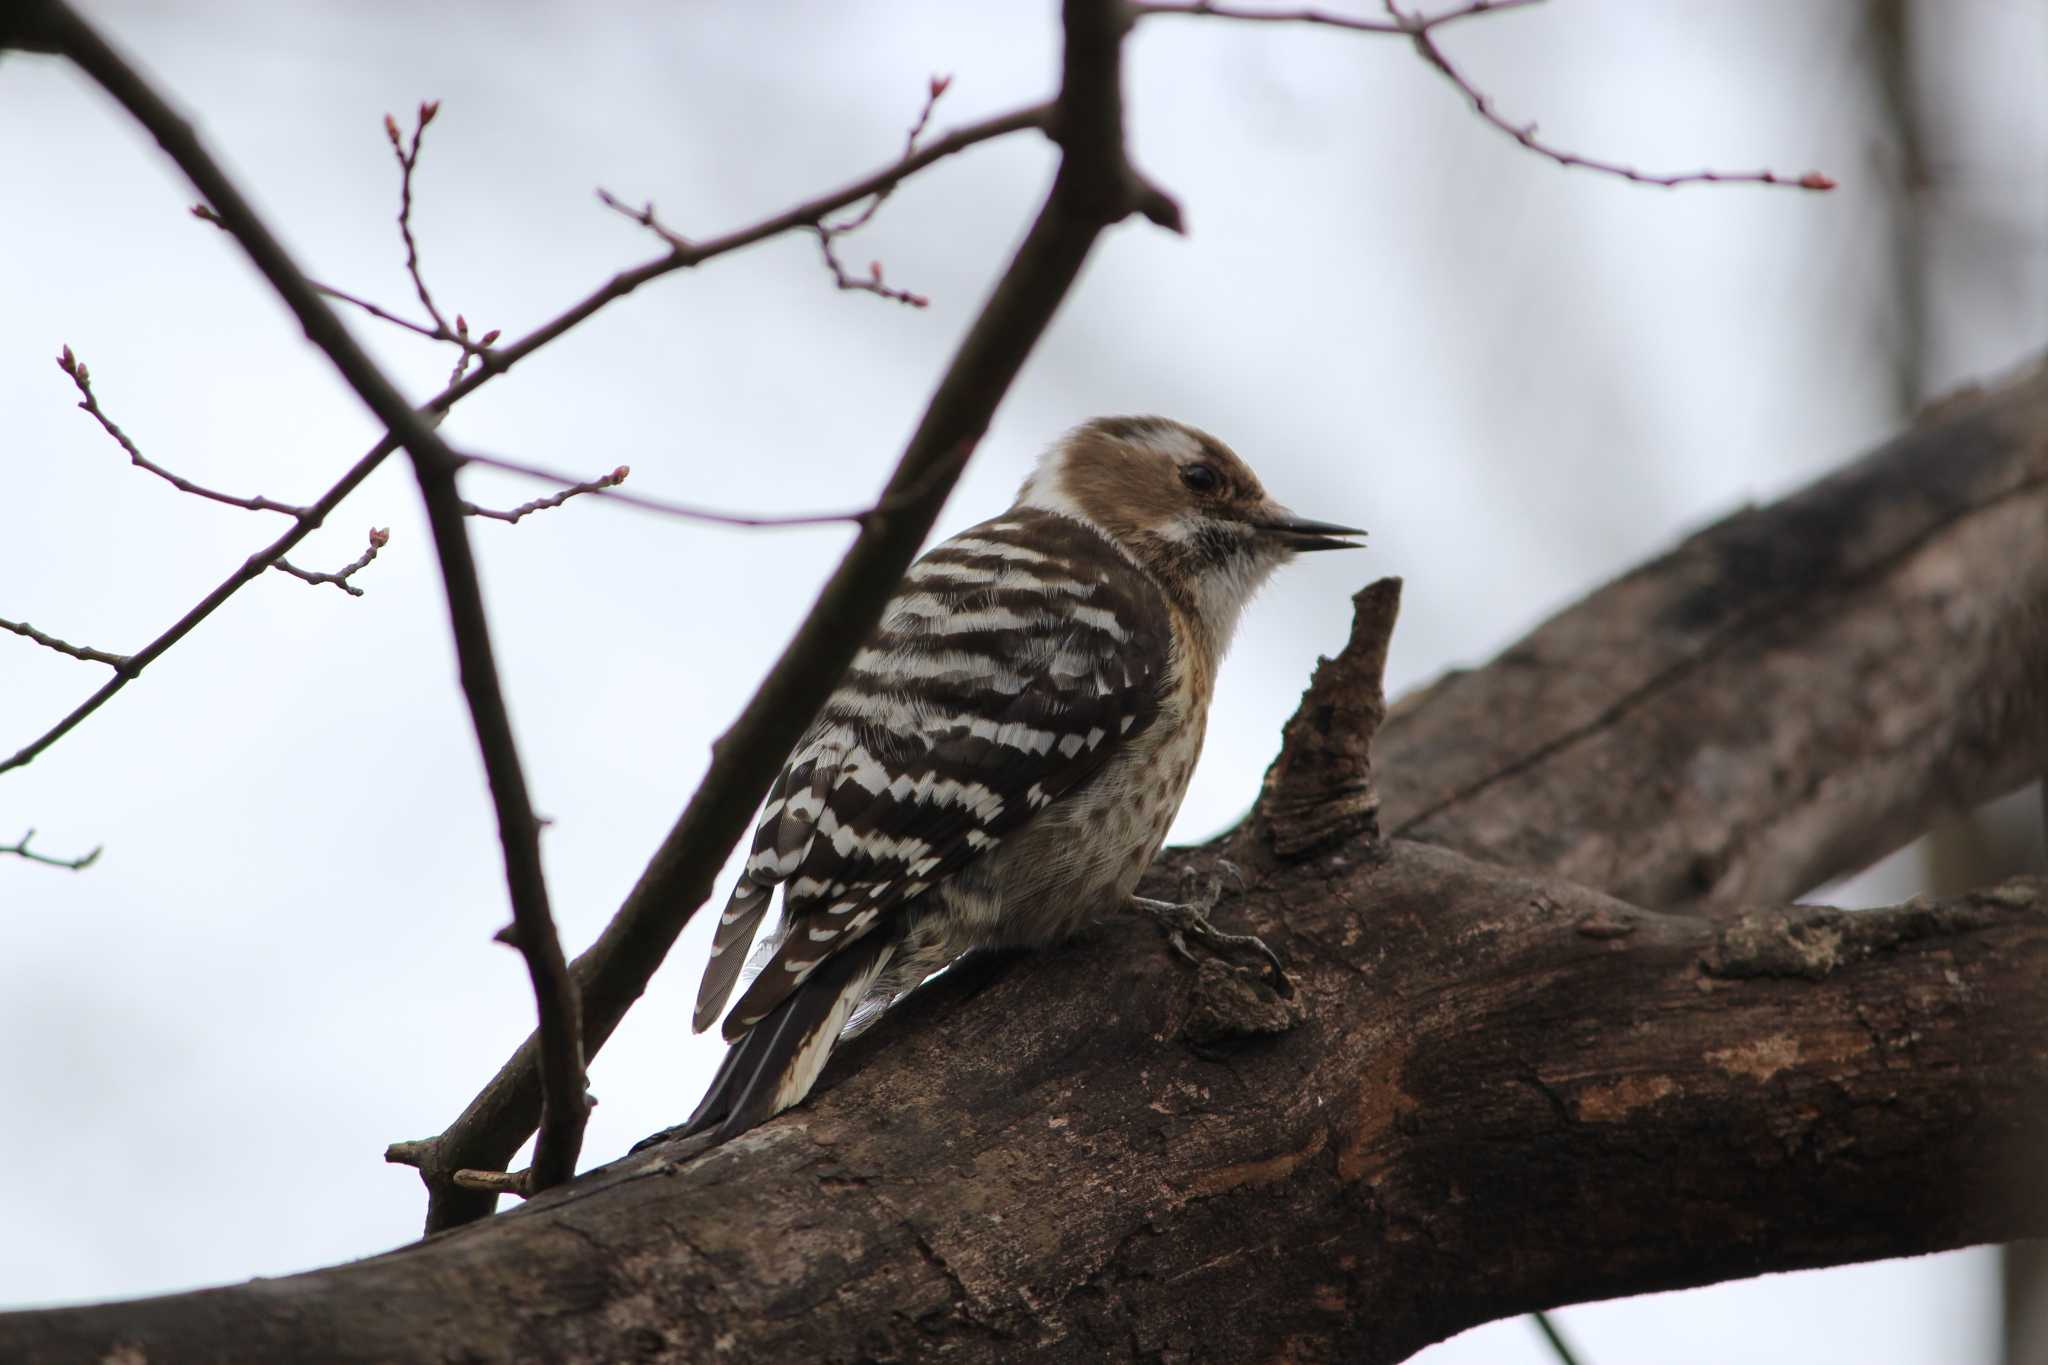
(1003, 758)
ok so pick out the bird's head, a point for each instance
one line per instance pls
(1182, 506)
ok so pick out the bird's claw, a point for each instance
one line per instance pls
(1189, 919)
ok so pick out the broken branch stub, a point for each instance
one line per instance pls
(1320, 791)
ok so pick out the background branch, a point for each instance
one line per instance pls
(379, 538)
(599, 484)
(1421, 29)
(81, 378)
(84, 652)
(20, 849)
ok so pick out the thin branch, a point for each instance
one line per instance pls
(340, 577)
(492, 363)
(81, 379)
(871, 283)
(1095, 187)
(1324, 18)
(85, 652)
(439, 331)
(527, 509)
(690, 512)
(408, 160)
(20, 849)
(1420, 30)
(829, 233)
(250, 569)
(1559, 1347)
(380, 313)
(566, 1110)
(684, 253)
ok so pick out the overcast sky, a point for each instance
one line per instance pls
(1523, 379)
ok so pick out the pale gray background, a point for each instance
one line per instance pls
(1523, 379)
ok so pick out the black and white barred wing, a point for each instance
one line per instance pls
(1005, 675)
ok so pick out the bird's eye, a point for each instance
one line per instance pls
(1201, 478)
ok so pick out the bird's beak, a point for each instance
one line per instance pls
(1299, 533)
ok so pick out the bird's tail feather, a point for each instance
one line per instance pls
(778, 1060)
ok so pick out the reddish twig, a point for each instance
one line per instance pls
(408, 160)
(684, 511)
(438, 331)
(1203, 9)
(1420, 31)
(527, 509)
(379, 313)
(871, 284)
(829, 232)
(860, 516)
(85, 652)
(81, 379)
(20, 849)
(876, 190)
(379, 538)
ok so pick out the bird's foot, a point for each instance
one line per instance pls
(1189, 920)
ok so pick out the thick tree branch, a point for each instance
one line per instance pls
(567, 1108)
(1509, 1092)
(1787, 696)
(1503, 1090)
(1094, 187)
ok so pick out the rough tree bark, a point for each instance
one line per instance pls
(1549, 1042)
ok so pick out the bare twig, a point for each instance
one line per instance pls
(85, 652)
(408, 160)
(603, 488)
(20, 849)
(1324, 18)
(565, 1110)
(340, 577)
(249, 569)
(81, 379)
(438, 331)
(1095, 186)
(495, 362)
(684, 253)
(527, 509)
(871, 283)
(1420, 30)
(829, 232)
(380, 313)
